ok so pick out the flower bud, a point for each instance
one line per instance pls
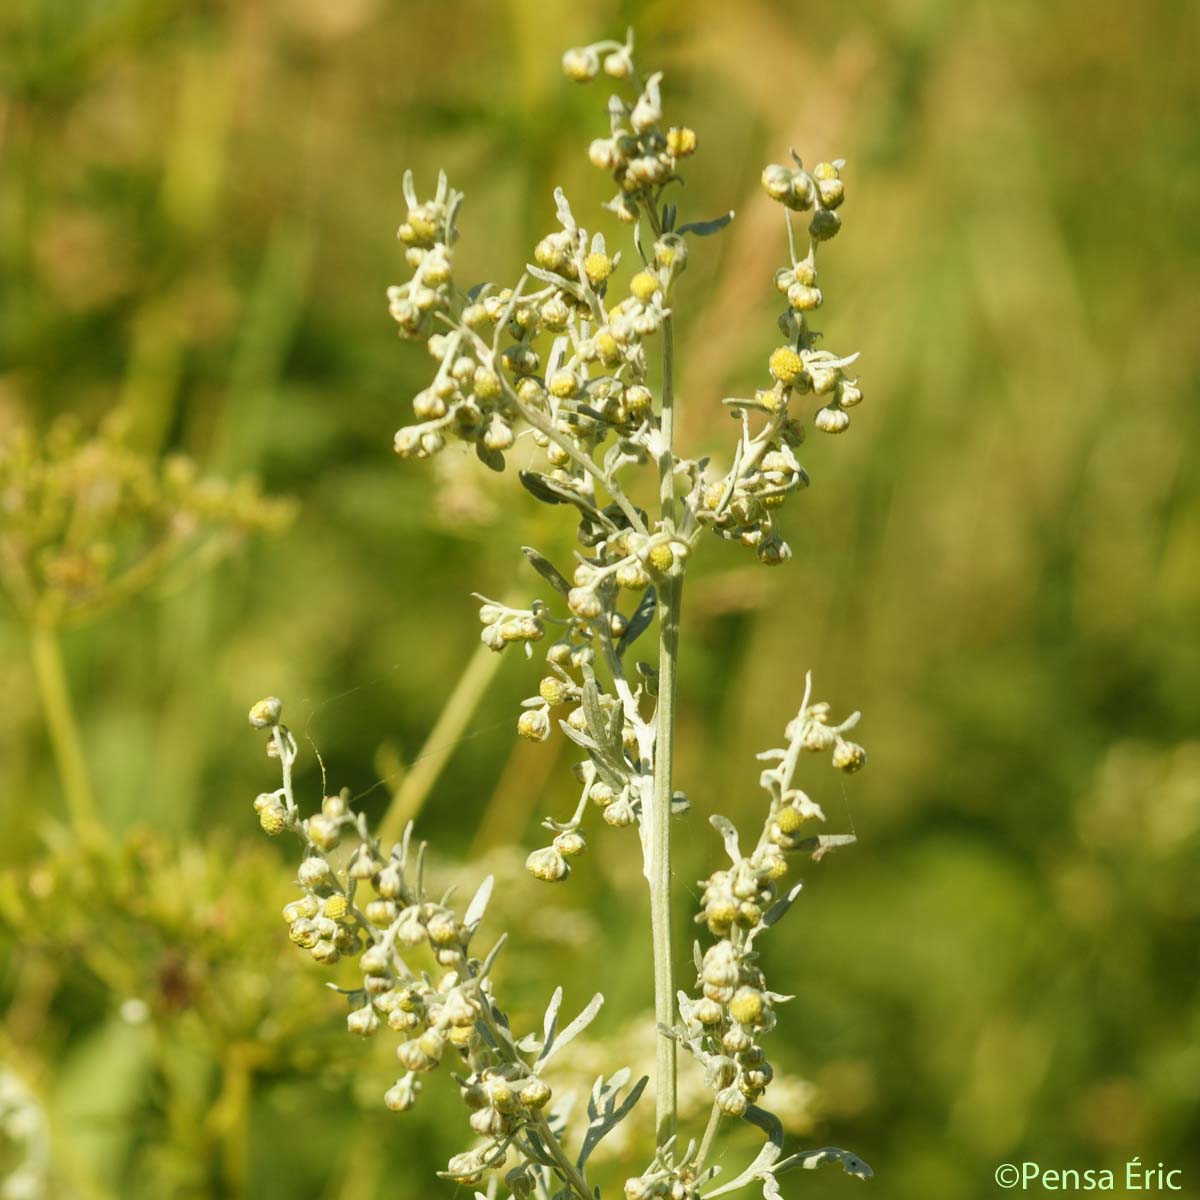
(597, 267)
(824, 225)
(535, 1093)
(641, 1187)
(638, 400)
(785, 365)
(570, 844)
(363, 1021)
(555, 314)
(661, 557)
(381, 912)
(600, 794)
(581, 64)
(735, 1040)
(849, 756)
(305, 908)
(303, 933)
(619, 813)
(603, 153)
(266, 713)
(390, 882)
(681, 141)
(777, 181)
(443, 929)
(746, 1007)
(402, 1095)
(731, 1102)
(499, 436)
(487, 1122)
(323, 831)
(548, 864)
(803, 298)
(553, 690)
(831, 191)
(273, 817)
(647, 112)
(848, 395)
(375, 960)
(773, 551)
(325, 952)
(584, 602)
(643, 286)
(314, 871)
(832, 420)
(534, 724)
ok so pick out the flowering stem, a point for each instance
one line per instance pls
(64, 731)
(710, 1135)
(670, 596)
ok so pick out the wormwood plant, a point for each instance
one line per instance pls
(564, 358)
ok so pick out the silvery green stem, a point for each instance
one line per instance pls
(664, 745)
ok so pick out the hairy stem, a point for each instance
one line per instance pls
(670, 596)
(59, 713)
(710, 1135)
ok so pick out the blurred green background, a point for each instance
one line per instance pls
(1000, 566)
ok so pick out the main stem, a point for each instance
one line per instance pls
(670, 596)
(64, 731)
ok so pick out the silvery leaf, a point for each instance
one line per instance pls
(550, 1021)
(809, 1160)
(479, 903)
(604, 1113)
(565, 216)
(728, 833)
(571, 1031)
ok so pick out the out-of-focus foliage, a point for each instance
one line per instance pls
(196, 210)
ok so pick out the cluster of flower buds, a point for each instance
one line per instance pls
(732, 1012)
(428, 233)
(798, 367)
(374, 908)
(639, 153)
(739, 506)
(821, 190)
(801, 370)
(666, 1178)
(504, 626)
(723, 1025)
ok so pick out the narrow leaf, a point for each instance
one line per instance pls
(780, 907)
(728, 833)
(565, 216)
(575, 1028)
(707, 228)
(550, 1021)
(479, 903)
(809, 1160)
(641, 620)
(546, 569)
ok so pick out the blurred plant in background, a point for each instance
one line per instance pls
(190, 209)
(90, 524)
